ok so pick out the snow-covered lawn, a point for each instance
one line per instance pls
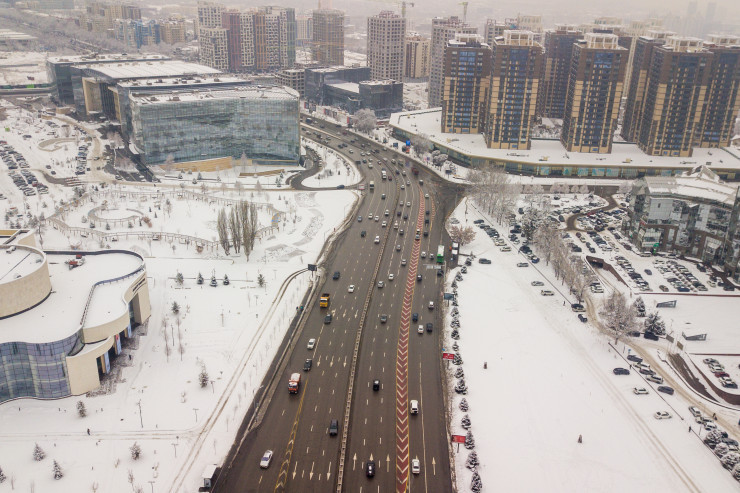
(336, 170)
(548, 381)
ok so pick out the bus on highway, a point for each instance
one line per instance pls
(441, 254)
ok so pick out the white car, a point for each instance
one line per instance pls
(537, 283)
(391, 277)
(351, 288)
(408, 204)
(431, 305)
(420, 330)
(384, 224)
(377, 239)
(662, 415)
(414, 407)
(423, 254)
(505, 248)
(547, 292)
(377, 218)
(403, 187)
(381, 284)
(311, 344)
(426, 195)
(266, 459)
(415, 466)
(639, 391)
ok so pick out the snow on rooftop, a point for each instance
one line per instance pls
(18, 263)
(702, 183)
(60, 314)
(245, 92)
(156, 68)
(184, 81)
(552, 152)
(347, 86)
(21, 68)
(105, 57)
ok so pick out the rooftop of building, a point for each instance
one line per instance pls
(698, 183)
(18, 263)
(10, 35)
(240, 92)
(552, 153)
(148, 69)
(60, 314)
(19, 68)
(346, 86)
(105, 58)
(181, 81)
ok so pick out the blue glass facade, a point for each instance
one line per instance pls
(36, 370)
(261, 122)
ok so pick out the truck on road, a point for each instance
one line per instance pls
(324, 300)
(294, 383)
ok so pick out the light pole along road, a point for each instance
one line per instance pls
(355, 348)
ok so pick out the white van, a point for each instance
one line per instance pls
(655, 379)
(414, 407)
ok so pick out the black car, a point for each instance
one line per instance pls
(635, 358)
(333, 427)
(363, 233)
(327, 318)
(376, 385)
(728, 287)
(383, 318)
(415, 317)
(307, 365)
(468, 262)
(418, 278)
(582, 318)
(651, 336)
(478, 221)
(370, 468)
(666, 389)
(336, 275)
(483, 261)
(430, 326)
(440, 272)
(621, 371)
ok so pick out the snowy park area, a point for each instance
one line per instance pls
(176, 397)
(545, 411)
(335, 171)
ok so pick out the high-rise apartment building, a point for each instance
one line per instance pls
(417, 56)
(213, 47)
(304, 30)
(635, 91)
(467, 72)
(328, 37)
(722, 103)
(494, 29)
(515, 80)
(594, 93)
(443, 30)
(677, 84)
(558, 53)
(172, 31)
(259, 39)
(209, 15)
(386, 38)
(529, 22)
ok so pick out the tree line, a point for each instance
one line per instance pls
(238, 228)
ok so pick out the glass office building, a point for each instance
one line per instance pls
(258, 121)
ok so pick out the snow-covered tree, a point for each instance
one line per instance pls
(222, 228)
(365, 120)
(38, 453)
(476, 485)
(226, 279)
(2, 476)
(135, 450)
(203, 376)
(81, 410)
(57, 471)
(261, 281)
(639, 306)
(736, 472)
(179, 279)
(618, 315)
(200, 278)
(472, 461)
(457, 360)
(721, 449)
(463, 406)
(654, 324)
(459, 373)
(460, 387)
(175, 308)
(730, 459)
(455, 334)
(465, 422)
(469, 440)
(713, 438)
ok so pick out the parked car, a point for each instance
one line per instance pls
(621, 371)
(537, 283)
(640, 391)
(694, 411)
(662, 415)
(666, 389)
(483, 261)
(582, 318)
(547, 292)
(522, 264)
(635, 358)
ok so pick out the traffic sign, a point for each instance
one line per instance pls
(448, 356)
(458, 438)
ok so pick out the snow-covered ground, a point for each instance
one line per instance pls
(23, 68)
(336, 170)
(548, 381)
(415, 95)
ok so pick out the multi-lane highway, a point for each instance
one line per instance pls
(356, 348)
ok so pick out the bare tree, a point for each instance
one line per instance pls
(222, 229)
(618, 315)
(462, 234)
(421, 144)
(235, 222)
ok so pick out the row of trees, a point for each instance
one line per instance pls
(238, 228)
(492, 191)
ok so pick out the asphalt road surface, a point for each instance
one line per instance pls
(406, 362)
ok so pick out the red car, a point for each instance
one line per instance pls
(721, 374)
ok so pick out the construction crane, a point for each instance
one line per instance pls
(403, 8)
(465, 11)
